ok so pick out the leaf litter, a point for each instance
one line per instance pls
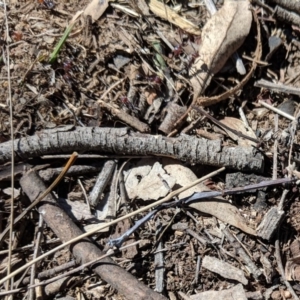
(147, 65)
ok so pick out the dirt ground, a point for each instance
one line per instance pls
(130, 66)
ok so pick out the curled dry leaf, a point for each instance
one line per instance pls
(146, 181)
(239, 125)
(222, 35)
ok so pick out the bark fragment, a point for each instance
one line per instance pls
(224, 269)
(270, 223)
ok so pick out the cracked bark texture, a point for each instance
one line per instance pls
(124, 141)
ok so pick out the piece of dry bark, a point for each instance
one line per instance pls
(170, 114)
(270, 223)
(222, 35)
(224, 269)
(85, 250)
(101, 182)
(76, 170)
(288, 4)
(121, 140)
(286, 16)
(292, 267)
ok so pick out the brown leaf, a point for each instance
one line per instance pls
(225, 212)
(95, 9)
(239, 125)
(222, 35)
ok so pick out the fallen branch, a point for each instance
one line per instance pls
(121, 140)
(85, 250)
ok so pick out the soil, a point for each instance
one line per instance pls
(108, 73)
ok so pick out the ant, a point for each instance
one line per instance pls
(125, 101)
(177, 50)
(67, 66)
(187, 40)
(192, 59)
(17, 35)
(154, 79)
(47, 3)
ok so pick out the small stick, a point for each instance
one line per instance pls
(47, 191)
(276, 110)
(274, 176)
(110, 89)
(281, 270)
(196, 280)
(35, 255)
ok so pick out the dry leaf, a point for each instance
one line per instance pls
(183, 176)
(239, 125)
(146, 181)
(8, 191)
(225, 212)
(222, 35)
(76, 210)
(95, 9)
(217, 207)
